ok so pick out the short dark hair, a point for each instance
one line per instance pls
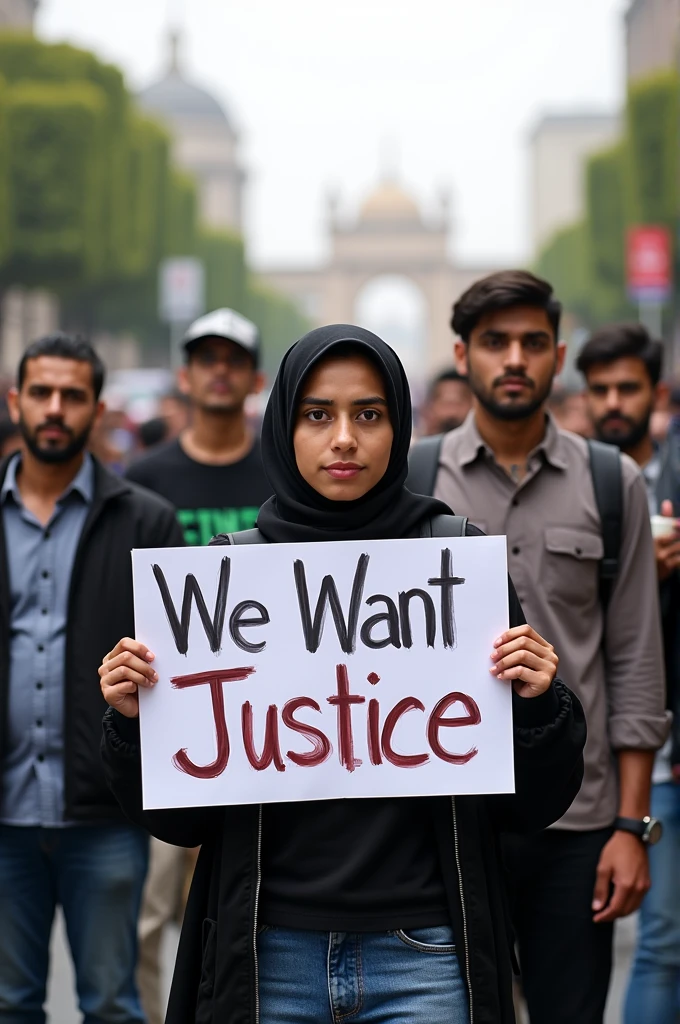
(442, 378)
(65, 346)
(622, 341)
(504, 290)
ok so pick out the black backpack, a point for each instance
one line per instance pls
(437, 526)
(605, 469)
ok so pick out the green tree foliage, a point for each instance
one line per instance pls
(54, 134)
(280, 321)
(633, 183)
(90, 202)
(565, 263)
(4, 176)
(652, 150)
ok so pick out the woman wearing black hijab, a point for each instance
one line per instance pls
(377, 910)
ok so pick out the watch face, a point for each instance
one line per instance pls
(653, 832)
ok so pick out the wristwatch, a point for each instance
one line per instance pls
(649, 830)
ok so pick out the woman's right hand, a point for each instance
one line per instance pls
(122, 671)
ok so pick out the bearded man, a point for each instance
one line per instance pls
(512, 471)
(67, 526)
(622, 366)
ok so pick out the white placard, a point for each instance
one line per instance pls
(319, 671)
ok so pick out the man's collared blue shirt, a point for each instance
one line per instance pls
(40, 562)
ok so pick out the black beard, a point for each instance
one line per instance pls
(625, 441)
(54, 456)
(507, 412)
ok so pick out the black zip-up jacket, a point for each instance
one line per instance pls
(122, 516)
(215, 980)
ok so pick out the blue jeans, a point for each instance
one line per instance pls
(96, 873)
(654, 990)
(403, 977)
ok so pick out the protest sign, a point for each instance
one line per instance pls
(322, 671)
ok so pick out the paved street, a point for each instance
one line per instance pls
(62, 1005)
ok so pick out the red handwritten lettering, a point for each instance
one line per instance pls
(270, 750)
(343, 701)
(321, 745)
(214, 680)
(437, 722)
(401, 760)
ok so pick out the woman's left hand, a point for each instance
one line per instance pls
(526, 659)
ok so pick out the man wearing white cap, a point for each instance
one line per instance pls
(213, 475)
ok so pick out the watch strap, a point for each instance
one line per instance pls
(637, 826)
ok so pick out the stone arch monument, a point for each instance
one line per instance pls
(389, 236)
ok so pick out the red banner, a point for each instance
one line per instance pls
(649, 264)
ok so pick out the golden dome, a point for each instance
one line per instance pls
(389, 202)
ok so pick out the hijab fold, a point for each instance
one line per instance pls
(299, 513)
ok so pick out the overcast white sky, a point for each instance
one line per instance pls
(318, 88)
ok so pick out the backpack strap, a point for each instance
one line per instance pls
(423, 463)
(605, 469)
(242, 537)
(444, 526)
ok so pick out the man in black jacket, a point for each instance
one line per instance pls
(67, 527)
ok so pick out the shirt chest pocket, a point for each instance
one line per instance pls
(571, 564)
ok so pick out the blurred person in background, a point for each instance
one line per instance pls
(622, 366)
(514, 472)
(175, 410)
(570, 411)
(66, 524)
(446, 405)
(213, 474)
(152, 432)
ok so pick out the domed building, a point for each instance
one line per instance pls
(389, 205)
(205, 141)
(17, 14)
(391, 243)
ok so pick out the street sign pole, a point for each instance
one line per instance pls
(181, 298)
(650, 315)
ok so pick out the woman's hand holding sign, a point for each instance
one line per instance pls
(526, 659)
(122, 671)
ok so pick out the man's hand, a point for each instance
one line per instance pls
(623, 865)
(122, 671)
(522, 656)
(667, 549)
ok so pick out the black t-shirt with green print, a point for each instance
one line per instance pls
(208, 499)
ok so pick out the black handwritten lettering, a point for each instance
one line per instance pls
(328, 595)
(237, 621)
(446, 581)
(405, 598)
(390, 616)
(180, 626)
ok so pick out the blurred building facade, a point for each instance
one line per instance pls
(559, 147)
(390, 236)
(17, 13)
(205, 141)
(652, 36)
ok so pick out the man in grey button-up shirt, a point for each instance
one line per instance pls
(512, 471)
(66, 529)
(40, 557)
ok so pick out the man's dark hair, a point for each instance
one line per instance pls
(65, 346)
(622, 341)
(504, 290)
(443, 377)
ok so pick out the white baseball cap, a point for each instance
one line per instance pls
(224, 323)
